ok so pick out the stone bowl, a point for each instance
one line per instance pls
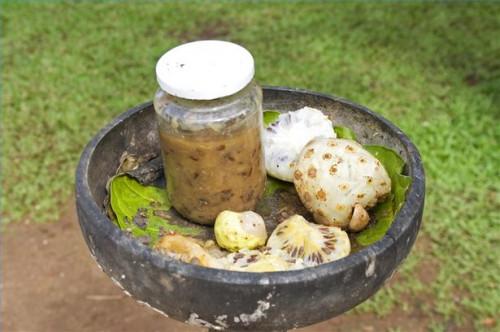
(228, 300)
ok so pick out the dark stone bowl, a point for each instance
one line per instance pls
(220, 299)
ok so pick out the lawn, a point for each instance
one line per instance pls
(433, 70)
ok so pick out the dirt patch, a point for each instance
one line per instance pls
(428, 268)
(50, 283)
(213, 30)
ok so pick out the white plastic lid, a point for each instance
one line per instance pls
(205, 70)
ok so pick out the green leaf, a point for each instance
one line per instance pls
(270, 117)
(130, 199)
(400, 184)
(392, 162)
(385, 212)
(273, 184)
(384, 215)
(344, 132)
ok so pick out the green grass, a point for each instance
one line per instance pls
(434, 70)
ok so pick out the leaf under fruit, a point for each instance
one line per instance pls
(142, 210)
(344, 132)
(385, 212)
(270, 117)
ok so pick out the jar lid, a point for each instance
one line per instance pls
(205, 70)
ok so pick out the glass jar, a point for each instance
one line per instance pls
(210, 126)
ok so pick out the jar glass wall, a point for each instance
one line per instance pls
(212, 152)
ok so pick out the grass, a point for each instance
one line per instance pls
(434, 70)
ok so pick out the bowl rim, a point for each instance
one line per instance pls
(403, 218)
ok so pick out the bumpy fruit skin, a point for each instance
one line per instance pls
(298, 240)
(240, 230)
(188, 250)
(284, 139)
(333, 175)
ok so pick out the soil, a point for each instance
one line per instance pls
(50, 283)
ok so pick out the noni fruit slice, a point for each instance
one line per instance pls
(310, 243)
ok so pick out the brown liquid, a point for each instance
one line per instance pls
(207, 174)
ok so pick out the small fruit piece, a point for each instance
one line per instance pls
(240, 230)
(286, 137)
(186, 249)
(333, 175)
(214, 250)
(359, 219)
(296, 238)
(256, 261)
